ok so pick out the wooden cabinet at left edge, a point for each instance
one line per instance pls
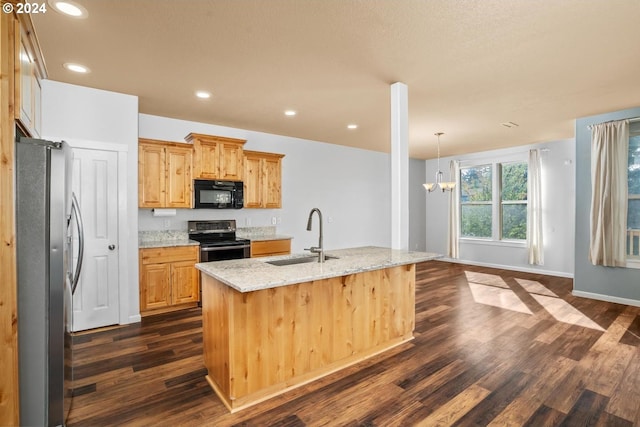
(21, 68)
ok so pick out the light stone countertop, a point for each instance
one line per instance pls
(263, 238)
(146, 244)
(165, 238)
(252, 274)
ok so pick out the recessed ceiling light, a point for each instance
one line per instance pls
(69, 8)
(352, 126)
(290, 113)
(76, 68)
(203, 94)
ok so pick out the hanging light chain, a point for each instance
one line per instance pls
(438, 173)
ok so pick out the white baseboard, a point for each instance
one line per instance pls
(607, 298)
(136, 318)
(510, 267)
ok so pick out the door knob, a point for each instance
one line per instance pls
(112, 247)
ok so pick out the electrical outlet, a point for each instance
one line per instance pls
(167, 224)
(274, 220)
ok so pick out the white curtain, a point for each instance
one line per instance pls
(609, 152)
(453, 245)
(534, 211)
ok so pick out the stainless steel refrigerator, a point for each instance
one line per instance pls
(47, 219)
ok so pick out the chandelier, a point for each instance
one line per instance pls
(431, 186)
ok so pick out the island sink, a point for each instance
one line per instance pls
(299, 260)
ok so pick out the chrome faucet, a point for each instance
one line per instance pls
(316, 249)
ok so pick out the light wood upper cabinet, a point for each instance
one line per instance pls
(217, 157)
(252, 180)
(29, 70)
(168, 277)
(272, 185)
(178, 167)
(262, 180)
(151, 175)
(164, 174)
(207, 160)
(231, 157)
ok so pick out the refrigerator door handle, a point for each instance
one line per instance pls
(75, 208)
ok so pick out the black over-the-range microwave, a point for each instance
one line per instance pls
(211, 194)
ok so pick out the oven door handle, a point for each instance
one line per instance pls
(220, 248)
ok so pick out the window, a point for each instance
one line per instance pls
(496, 218)
(513, 206)
(633, 209)
(476, 202)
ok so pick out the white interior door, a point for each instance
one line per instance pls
(95, 183)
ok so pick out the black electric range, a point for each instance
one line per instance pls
(218, 240)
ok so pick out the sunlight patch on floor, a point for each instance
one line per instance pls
(497, 297)
(491, 289)
(565, 312)
(535, 287)
(486, 279)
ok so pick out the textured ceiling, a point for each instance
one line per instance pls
(469, 65)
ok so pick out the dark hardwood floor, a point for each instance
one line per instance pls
(491, 347)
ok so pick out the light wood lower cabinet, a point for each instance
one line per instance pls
(168, 278)
(270, 247)
(184, 282)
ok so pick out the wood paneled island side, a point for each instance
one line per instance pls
(268, 329)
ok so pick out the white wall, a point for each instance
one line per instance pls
(417, 211)
(350, 186)
(558, 192)
(614, 284)
(97, 117)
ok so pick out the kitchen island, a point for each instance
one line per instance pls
(270, 328)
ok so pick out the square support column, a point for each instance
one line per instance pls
(399, 166)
